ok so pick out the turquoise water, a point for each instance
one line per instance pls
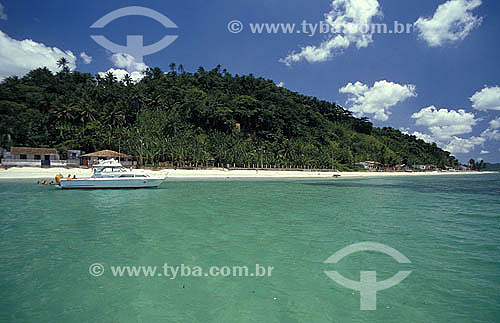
(448, 226)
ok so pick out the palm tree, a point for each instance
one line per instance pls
(110, 78)
(481, 165)
(172, 67)
(472, 163)
(63, 63)
(127, 79)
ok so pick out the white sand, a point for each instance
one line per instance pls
(50, 173)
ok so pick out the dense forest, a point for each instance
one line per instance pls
(181, 118)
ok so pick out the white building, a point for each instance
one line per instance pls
(29, 156)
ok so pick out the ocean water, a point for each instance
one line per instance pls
(447, 226)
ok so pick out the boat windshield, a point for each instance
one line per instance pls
(111, 169)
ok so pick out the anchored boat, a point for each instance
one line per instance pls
(111, 174)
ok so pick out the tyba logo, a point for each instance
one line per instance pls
(135, 45)
(368, 285)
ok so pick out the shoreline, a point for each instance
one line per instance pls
(50, 173)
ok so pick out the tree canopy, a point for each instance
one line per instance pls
(183, 118)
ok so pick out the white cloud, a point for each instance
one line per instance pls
(127, 61)
(347, 18)
(444, 123)
(3, 15)
(377, 99)
(18, 57)
(491, 134)
(316, 54)
(484, 152)
(454, 145)
(86, 58)
(495, 123)
(120, 74)
(463, 146)
(281, 84)
(425, 137)
(452, 21)
(444, 126)
(486, 99)
(134, 70)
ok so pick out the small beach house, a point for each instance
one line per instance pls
(368, 165)
(29, 156)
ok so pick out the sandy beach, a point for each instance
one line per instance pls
(50, 173)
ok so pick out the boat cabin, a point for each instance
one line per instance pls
(112, 169)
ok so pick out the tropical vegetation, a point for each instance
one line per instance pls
(197, 119)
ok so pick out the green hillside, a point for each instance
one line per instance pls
(198, 118)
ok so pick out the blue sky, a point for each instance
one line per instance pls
(423, 84)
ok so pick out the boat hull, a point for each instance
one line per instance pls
(110, 183)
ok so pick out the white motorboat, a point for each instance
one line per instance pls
(111, 174)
